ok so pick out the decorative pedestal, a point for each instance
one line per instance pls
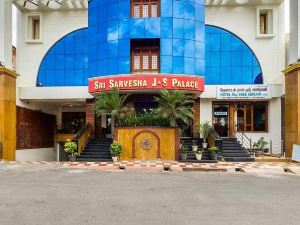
(7, 114)
(292, 107)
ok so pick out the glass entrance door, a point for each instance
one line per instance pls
(221, 119)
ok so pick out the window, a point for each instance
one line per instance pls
(34, 31)
(264, 22)
(145, 8)
(252, 116)
(145, 55)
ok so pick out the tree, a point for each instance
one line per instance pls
(111, 103)
(176, 106)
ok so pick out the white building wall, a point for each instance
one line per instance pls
(55, 25)
(6, 33)
(294, 42)
(39, 154)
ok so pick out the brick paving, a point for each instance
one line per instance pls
(159, 166)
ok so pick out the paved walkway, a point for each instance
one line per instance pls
(179, 167)
(159, 166)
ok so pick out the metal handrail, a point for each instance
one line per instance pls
(245, 141)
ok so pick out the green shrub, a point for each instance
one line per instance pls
(213, 149)
(148, 118)
(70, 147)
(184, 149)
(115, 149)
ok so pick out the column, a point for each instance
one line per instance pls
(196, 121)
(90, 115)
(6, 33)
(292, 108)
(7, 114)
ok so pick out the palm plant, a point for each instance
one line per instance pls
(176, 106)
(111, 103)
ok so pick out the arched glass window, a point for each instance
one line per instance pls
(66, 63)
(229, 60)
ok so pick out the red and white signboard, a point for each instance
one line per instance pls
(147, 82)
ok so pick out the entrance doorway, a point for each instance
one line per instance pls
(221, 119)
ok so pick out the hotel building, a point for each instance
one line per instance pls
(228, 53)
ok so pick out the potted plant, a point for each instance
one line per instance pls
(204, 129)
(213, 152)
(259, 146)
(70, 147)
(183, 152)
(194, 146)
(198, 154)
(115, 150)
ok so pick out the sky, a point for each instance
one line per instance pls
(287, 27)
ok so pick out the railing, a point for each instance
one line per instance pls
(245, 141)
(82, 138)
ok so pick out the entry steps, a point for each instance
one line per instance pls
(233, 151)
(191, 157)
(97, 150)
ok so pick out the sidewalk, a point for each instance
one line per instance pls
(158, 166)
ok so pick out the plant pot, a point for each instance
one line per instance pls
(199, 156)
(204, 145)
(183, 156)
(213, 156)
(195, 148)
(72, 158)
(115, 158)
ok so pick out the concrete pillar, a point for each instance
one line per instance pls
(292, 107)
(90, 115)
(6, 33)
(8, 114)
(196, 121)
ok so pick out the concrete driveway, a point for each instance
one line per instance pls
(52, 195)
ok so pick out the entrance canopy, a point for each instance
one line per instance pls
(147, 83)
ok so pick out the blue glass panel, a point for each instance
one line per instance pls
(178, 65)
(189, 10)
(137, 28)
(112, 48)
(124, 65)
(189, 66)
(124, 9)
(112, 11)
(178, 9)
(124, 29)
(166, 23)
(152, 28)
(228, 59)
(178, 28)
(189, 48)
(166, 46)
(124, 47)
(189, 29)
(178, 47)
(112, 30)
(200, 67)
(101, 67)
(166, 64)
(67, 55)
(166, 8)
(112, 66)
(199, 50)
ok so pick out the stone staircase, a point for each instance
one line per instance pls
(191, 157)
(233, 151)
(97, 150)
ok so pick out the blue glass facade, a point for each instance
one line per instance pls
(66, 63)
(229, 60)
(180, 29)
(185, 42)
